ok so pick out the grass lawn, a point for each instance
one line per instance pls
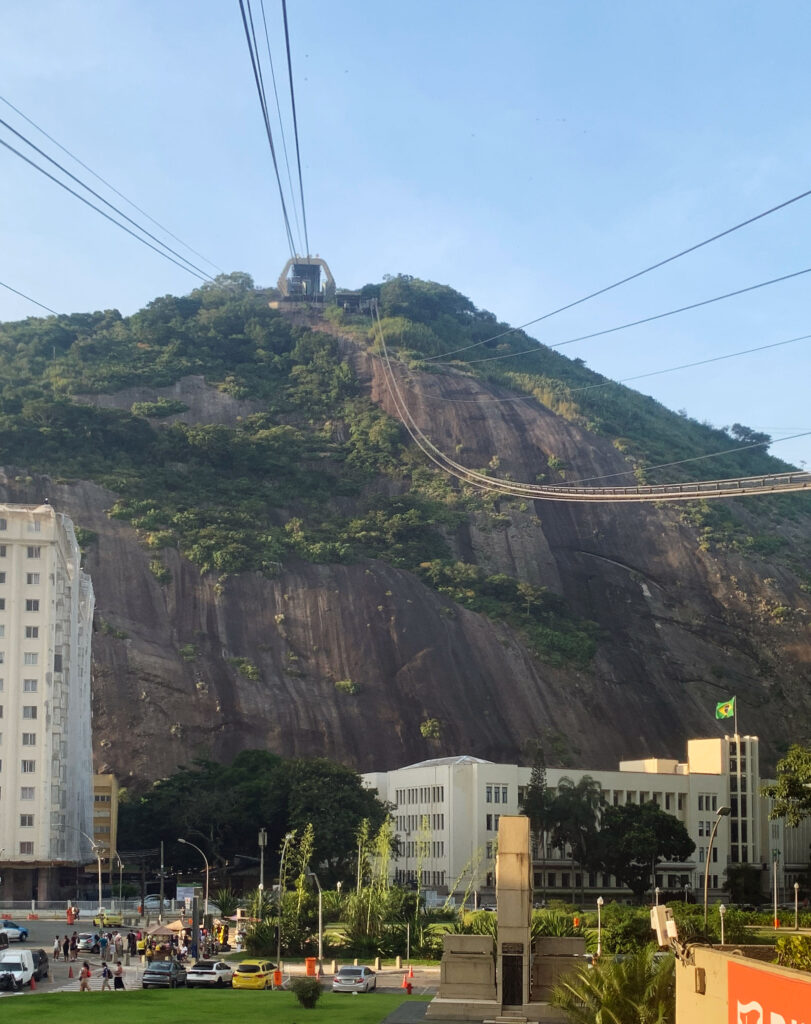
(200, 1007)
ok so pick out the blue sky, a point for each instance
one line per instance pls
(525, 153)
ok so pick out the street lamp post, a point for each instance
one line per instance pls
(205, 859)
(656, 892)
(314, 877)
(287, 839)
(96, 848)
(722, 812)
(263, 841)
(722, 910)
(796, 906)
(599, 926)
(775, 859)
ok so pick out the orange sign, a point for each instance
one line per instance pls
(762, 997)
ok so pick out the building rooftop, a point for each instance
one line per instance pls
(435, 762)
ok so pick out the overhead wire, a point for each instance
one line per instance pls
(27, 297)
(295, 124)
(81, 198)
(565, 389)
(250, 36)
(634, 276)
(112, 187)
(767, 483)
(282, 133)
(539, 346)
(112, 206)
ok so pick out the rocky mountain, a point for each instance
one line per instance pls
(277, 566)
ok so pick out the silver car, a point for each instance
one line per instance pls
(208, 973)
(354, 979)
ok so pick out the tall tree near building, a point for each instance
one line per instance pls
(633, 837)
(536, 804)
(574, 817)
(792, 790)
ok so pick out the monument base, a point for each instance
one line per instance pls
(488, 1011)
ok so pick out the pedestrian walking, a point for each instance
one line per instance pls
(66, 947)
(106, 978)
(84, 977)
(57, 947)
(118, 980)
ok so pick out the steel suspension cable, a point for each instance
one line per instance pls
(295, 124)
(112, 206)
(249, 33)
(28, 298)
(112, 188)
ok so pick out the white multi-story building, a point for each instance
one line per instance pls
(46, 770)
(446, 814)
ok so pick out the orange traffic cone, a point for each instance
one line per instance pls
(33, 983)
(70, 971)
(405, 981)
(411, 972)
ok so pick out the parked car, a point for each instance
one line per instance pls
(164, 974)
(88, 942)
(15, 932)
(207, 973)
(20, 964)
(354, 979)
(41, 964)
(253, 974)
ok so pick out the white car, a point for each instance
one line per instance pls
(15, 932)
(354, 979)
(207, 973)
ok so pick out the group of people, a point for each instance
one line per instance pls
(109, 944)
(115, 975)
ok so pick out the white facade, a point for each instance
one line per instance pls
(46, 773)
(446, 814)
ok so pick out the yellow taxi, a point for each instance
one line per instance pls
(108, 918)
(253, 974)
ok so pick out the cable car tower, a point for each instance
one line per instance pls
(300, 281)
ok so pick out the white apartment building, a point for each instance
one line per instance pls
(46, 770)
(446, 814)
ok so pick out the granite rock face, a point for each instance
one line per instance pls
(349, 661)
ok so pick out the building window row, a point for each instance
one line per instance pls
(495, 794)
(707, 802)
(491, 822)
(420, 795)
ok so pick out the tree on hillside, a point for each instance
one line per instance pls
(791, 792)
(633, 837)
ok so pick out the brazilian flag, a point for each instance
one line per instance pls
(726, 709)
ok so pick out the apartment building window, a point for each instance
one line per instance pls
(30, 658)
(32, 579)
(489, 851)
(26, 792)
(2, 630)
(2, 604)
(29, 685)
(2, 657)
(34, 551)
(2, 550)
(488, 794)
(35, 526)
(32, 632)
(26, 821)
(29, 711)
(2, 578)
(3, 524)
(26, 849)
(668, 801)
(29, 739)
(28, 767)
(31, 605)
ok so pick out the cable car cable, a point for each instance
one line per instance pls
(28, 298)
(295, 125)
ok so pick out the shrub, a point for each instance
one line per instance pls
(431, 728)
(794, 951)
(246, 668)
(307, 991)
(347, 686)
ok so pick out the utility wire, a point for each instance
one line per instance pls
(112, 206)
(295, 125)
(645, 320)
(107, 216)
(28, 298)
(107, 183)
(250, 36)
(632, 277)
(565, 389)
(279, 115)
(695, 458)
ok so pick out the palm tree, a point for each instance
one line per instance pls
(575, 814)
(641, 989)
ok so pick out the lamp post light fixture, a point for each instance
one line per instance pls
(656, 892)
(796, 906)
(287, 839)
(205, 859)
(314, 877)
(96, 848)
(722, 812)
(599, 926)
(722, 910)
(263, 841)
(775, 859)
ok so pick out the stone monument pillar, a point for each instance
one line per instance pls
(514, 903)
